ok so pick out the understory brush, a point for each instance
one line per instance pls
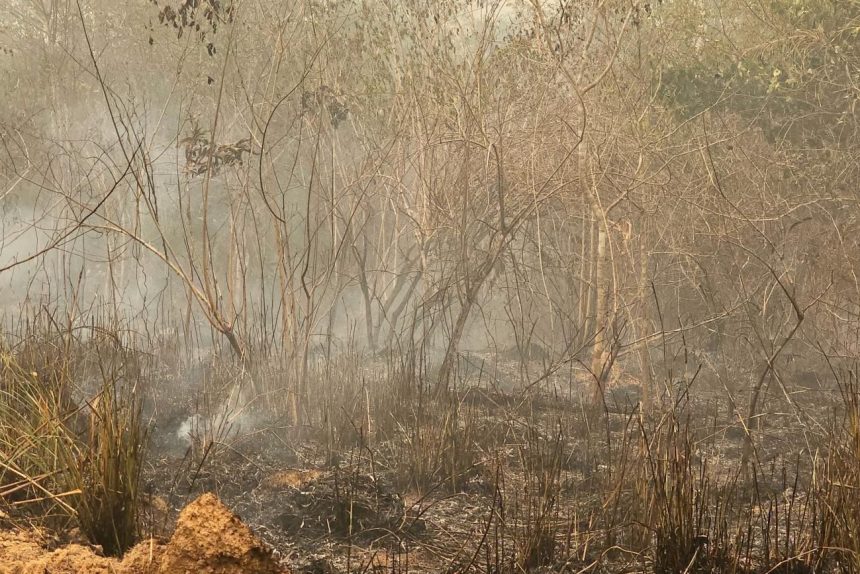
(72, 439)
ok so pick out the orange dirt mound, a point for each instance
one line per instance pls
(23, 553)
(212, 540)
(208, 539)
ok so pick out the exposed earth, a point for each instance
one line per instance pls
(275, 498)
(208, 539)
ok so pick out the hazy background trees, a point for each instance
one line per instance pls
(645, 189)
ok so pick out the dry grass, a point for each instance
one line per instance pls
(107, 467)
(839, 485)
(72, 460)
(559, 488)
(648, 497)
(34, 438)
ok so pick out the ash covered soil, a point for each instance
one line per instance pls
(277, 498)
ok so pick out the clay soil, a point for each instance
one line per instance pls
(208, 539)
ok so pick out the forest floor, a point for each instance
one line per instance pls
(539, 486)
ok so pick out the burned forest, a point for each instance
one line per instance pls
(430, 286)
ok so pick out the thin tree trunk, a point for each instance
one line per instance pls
(599, 353)
(585, 282)
(641, 326)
